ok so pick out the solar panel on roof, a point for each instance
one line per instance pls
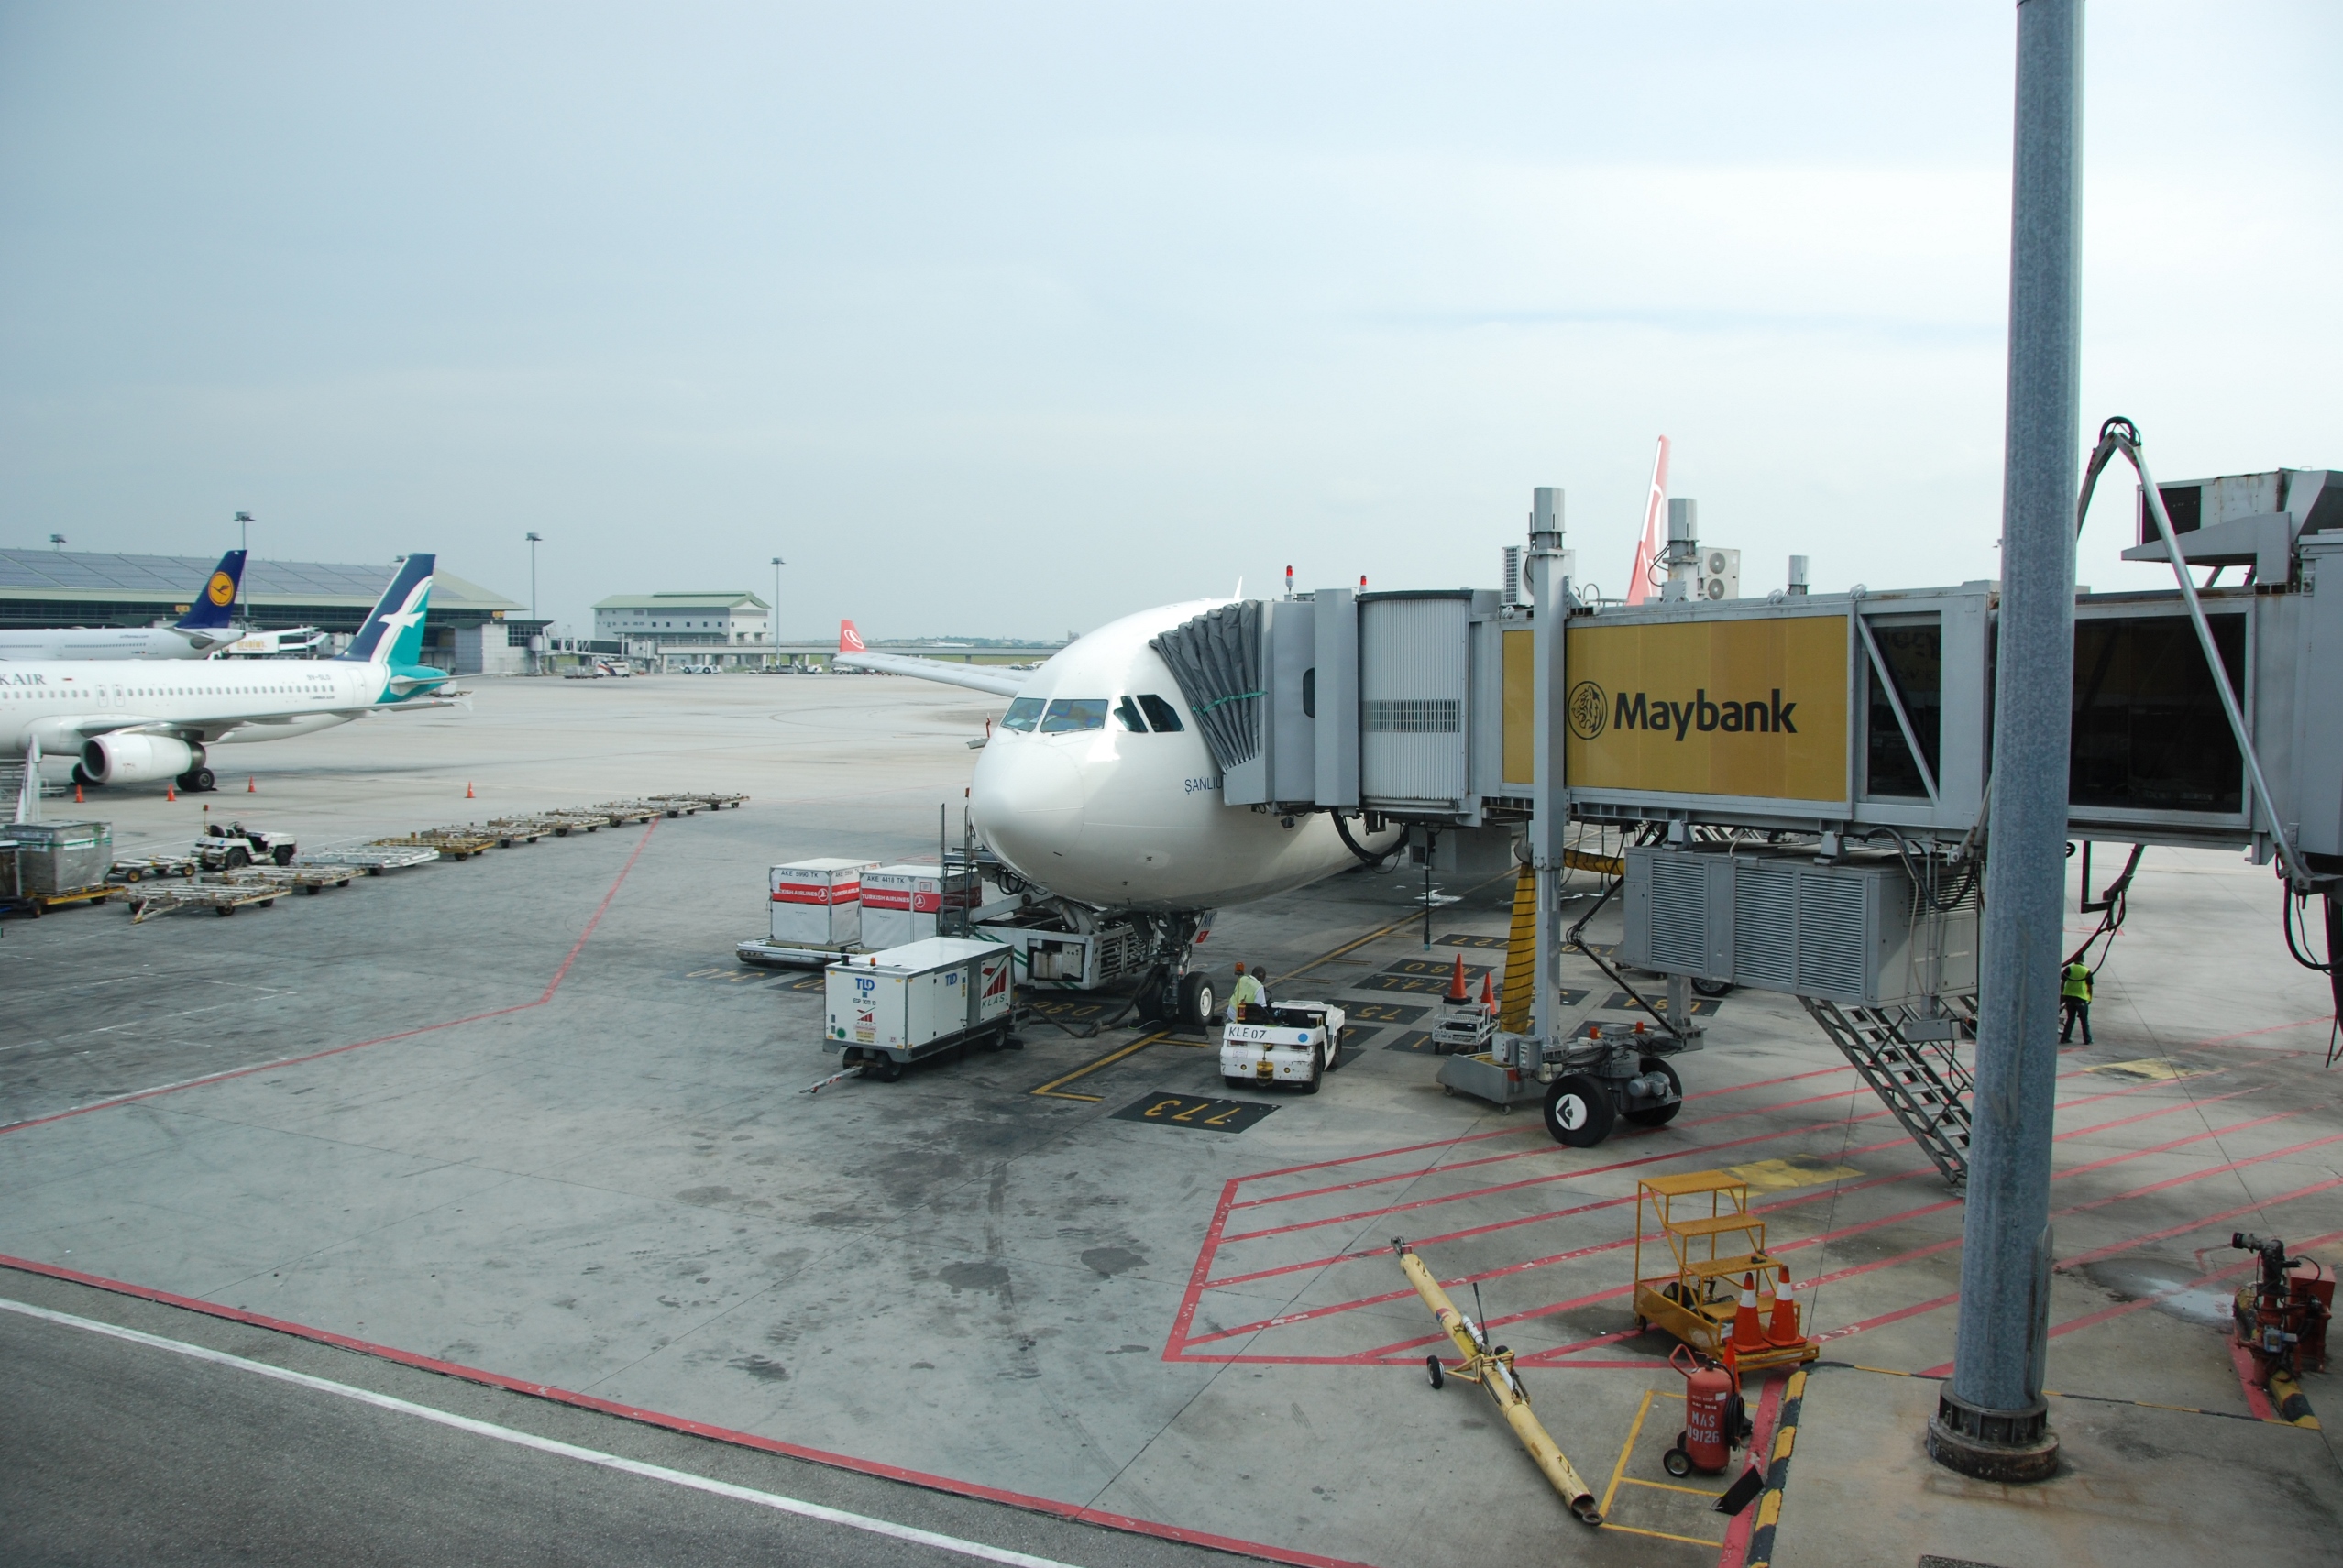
(97, 573)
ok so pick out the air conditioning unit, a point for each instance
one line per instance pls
(1857, 932)
(1719, 573)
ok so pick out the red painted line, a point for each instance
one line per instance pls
(547, 1391)
(1177, 1348)
(1899, 1314)
(2269, 1029)
(551, 986)
(2201, 1222)
(1519, 1154)
(1761, 1454)
(1508, 1132)
(1177, 1342)
(1364, 1215)
(1801, 1243)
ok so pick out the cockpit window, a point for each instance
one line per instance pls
(1160, 714)
(1127, 715)
(1023, 714)
(1071, 713)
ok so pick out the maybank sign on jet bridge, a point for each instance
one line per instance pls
(1748, 707)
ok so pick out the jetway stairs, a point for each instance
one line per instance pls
(1912, 1063)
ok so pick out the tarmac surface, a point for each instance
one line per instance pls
(519, 1132)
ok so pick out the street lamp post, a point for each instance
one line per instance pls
(772, 615)
(535, 630)
(244, 542)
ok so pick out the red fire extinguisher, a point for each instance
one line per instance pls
(1712, 1417)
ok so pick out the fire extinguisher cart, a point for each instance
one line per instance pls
(1702, 1241)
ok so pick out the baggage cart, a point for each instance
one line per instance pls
(909, 1003)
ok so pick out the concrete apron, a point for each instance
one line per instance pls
(614, 1190)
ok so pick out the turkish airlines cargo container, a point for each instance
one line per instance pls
(917, 1001)
(903, 903)
(818, 903)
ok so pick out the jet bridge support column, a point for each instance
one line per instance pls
(1991, 1418)
(1549, 578)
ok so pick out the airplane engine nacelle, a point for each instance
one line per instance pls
(137, 758)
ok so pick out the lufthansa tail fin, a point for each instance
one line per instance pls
(216, 605)
(848, 640)
(393, 631)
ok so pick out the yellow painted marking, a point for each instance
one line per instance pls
(1769, 1508)
(1109, 1059)
(1619, 1470)
(1670, 1486)
(1797, 1389)
(2147, 1070)
(1796, 1170)
(1782, 1444)
(1662, 1535)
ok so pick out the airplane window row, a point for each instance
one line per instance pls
(1066, 715)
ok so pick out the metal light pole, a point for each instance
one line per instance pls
(1991, 1419)
(57, 543)
(244, 542)
(537, 631)
(772, 617)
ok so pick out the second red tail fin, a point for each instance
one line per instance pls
(848, 640)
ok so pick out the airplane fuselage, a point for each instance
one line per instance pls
(1076, 799)
(75, 643)
(64, 704)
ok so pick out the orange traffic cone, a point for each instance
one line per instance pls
(467, 789)
(77, 793)
(169, 794)
(1781, 1327)
(249, 787)
(1488, 994)
(1748, 1328)
(1457, 995)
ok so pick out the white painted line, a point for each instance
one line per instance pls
(547, 1446)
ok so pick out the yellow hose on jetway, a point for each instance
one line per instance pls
(1521, 958)
(1605, 865)
(1493, 1370)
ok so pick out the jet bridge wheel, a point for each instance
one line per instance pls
(1578, 1110)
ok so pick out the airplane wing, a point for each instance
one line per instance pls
(975, 677)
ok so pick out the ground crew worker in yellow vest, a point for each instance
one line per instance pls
(2074, 1001)
(1247, 993)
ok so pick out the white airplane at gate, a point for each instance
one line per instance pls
(1096, 786)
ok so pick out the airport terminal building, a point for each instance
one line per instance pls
(470, 630)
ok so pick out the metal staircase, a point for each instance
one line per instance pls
(1911, 1062)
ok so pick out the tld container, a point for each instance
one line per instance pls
(54, 857)
(904, 903)
(818, 903)
(917, 1000)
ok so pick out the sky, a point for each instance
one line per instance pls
(1008, 319)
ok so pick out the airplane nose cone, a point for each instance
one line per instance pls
(1028, 802)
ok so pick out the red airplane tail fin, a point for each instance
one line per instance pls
(848, 640)
(1648, 548)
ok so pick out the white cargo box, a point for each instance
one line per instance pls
(916, 1000)
(901, 903)
(818, 903)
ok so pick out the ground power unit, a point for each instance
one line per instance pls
(921, 999)
(1856, 931)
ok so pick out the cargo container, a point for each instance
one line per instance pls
(53, 857)
(818, 903)
(919, 1000)
(905, 903)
